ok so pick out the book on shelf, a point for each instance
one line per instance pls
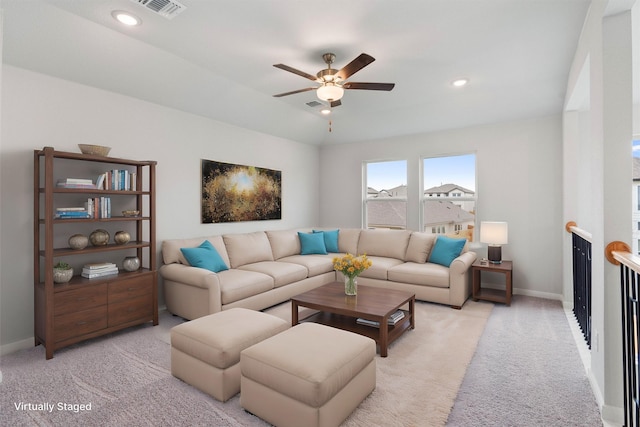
(95, 266)
(75, 183)
(63, 213)
(99, 207)
(392, 320)
(92, 274)
(118, 179)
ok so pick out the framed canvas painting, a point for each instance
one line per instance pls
(232, 193)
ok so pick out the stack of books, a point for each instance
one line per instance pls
(75, 183)
(99, 269)
(73, 212)
(393, 320)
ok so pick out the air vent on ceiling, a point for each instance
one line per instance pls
(313, 103)
(167, 8)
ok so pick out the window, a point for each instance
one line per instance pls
(452, 180)
(385, 203)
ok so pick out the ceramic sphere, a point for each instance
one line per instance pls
(99, 237)
(121, 237)
(78, 241)
(131, 263)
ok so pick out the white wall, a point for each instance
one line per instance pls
(38, 111)
(519, 179)
(598, 179)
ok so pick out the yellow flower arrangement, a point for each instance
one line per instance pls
(350, 265)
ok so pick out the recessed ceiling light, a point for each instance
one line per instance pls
(126, 18)
(459, 82)
(325, 111)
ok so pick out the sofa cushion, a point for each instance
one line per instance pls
(315, 264)
(446, 250)
(282, 273)
(205, 256)
(384, 243)
(379, 267)
(348, 240)
(330, 239)
(171, 252)
(419, 248)
(427, 274)
(283, 243)
(312, 243)
(247, 248)
(239, 284)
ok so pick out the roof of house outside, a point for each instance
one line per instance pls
(399, 191)
(442, 211)
(447, 188)
(393, 213)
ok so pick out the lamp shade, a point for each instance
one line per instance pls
(494, 233)
(330, 92)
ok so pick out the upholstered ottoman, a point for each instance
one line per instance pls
(205, 352)
(310, 375)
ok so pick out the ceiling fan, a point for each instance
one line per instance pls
(333, 82)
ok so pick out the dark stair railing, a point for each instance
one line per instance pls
(619, 253)
(581, 279)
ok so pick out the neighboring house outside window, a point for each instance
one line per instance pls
(449, 208)
(385, 207)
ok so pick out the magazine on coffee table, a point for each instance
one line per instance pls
(393, 319)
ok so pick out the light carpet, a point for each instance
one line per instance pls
(126, 378)
(526, 372)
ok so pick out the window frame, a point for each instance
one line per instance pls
(441, 197)
(365, 187)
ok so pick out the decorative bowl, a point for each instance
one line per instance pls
(130, 213)
(96, 150)
(99, 237)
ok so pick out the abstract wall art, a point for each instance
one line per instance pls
(232, 193)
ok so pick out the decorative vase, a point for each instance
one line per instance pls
(121, 237)
(78, 241)
(131, 263)
(99, 237)
(351, 285)
(61, 275)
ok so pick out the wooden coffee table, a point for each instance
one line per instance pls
(341, 311)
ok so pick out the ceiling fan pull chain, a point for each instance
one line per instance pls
(329, 125)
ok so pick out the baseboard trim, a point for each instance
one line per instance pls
(12, 347)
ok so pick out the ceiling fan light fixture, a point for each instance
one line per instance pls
(330, 92)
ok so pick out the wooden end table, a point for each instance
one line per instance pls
(495, 295)
(341, 311)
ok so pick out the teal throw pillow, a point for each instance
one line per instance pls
(446, 250)
(205, 256)
(312, 243)
(330, 239)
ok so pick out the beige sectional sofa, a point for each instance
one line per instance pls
(266, 268)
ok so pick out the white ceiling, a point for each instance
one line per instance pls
(215, 59)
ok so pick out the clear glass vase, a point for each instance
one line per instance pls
(351, 285)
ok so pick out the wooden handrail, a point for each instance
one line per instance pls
(572, 227)
(618, 252)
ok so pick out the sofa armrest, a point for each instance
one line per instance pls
(191, 292)
(459, 278)
(192, 276)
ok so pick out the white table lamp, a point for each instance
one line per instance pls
(495, 234)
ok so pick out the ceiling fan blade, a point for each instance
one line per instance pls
(369, 86)
(294, 91)
(354, 66)
(335, 103)
(294, 71)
